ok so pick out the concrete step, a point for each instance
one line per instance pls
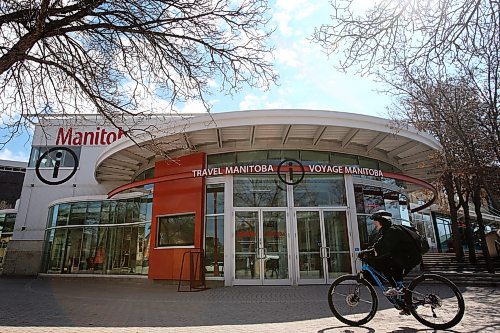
(470, 278)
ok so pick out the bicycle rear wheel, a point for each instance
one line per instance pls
(435, 301)
(352, 300)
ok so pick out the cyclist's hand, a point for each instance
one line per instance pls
(366, 254)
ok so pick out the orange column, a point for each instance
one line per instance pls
(184, 195)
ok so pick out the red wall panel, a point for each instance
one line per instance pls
(184, 195)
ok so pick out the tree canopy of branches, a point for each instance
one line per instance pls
(438, 38)
(448, 109)
(112, 57)
(440, 59)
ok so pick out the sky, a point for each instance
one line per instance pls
(308, 79)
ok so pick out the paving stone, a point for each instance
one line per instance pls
(63, 305)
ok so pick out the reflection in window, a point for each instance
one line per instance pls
(176, 230)
(258, 191)
(320, 191)
(7, 221)
(95, 248)
(65, 158)
(214, 230)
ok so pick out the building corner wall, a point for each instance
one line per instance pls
(23, 258)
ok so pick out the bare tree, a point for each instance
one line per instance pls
(116, 57)
(435, 38)
(448, 109)
(420, 49)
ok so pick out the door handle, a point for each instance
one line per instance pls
(327, 252)
(260, 252)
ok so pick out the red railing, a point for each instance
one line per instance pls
(196, 270)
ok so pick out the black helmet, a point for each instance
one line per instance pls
(382, 216)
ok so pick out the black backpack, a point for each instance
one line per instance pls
(420, 241)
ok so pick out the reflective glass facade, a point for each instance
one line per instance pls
(370, 199)
(100, 237)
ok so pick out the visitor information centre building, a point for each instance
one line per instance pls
(278, 197)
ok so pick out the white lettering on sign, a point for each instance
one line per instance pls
(90, 138)
(263, 168)
(345, 169)
(236, 169)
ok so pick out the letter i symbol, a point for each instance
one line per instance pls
(57, 164)
(290, 169)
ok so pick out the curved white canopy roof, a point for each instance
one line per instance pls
(373, 137)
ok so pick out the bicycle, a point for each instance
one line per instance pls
(427, 306)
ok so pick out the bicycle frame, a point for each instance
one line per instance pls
(379, 279)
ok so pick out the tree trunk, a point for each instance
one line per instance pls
(468, 233)
(463, 199)
(476, 198)
(450, 194)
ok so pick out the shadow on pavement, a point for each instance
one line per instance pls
(87, 302)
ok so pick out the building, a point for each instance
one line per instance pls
(269, 196)
(11, 182)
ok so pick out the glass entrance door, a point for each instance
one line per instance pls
(322, 245)
(261, 247)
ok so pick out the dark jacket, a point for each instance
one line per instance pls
(398, 245)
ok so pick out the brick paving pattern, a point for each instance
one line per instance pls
(65, 305)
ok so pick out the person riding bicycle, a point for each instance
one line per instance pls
(394, 252)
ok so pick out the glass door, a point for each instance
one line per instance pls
(261, 247)
(322, 245)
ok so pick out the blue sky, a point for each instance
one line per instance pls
(307, 77)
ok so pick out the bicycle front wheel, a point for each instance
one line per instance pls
(435, 301)
(352, 300)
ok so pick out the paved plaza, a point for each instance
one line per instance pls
(105, 305)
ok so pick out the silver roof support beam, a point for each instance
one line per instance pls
(381, 137)
(349, 136)
(253, 131)
(319, 134)
(286, 133)
(219, 137)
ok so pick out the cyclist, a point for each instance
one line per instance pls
(394, 252)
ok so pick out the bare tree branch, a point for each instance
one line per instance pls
(112, 57)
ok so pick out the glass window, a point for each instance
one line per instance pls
(105, 208)
(372, 199)
(93, 212)
(146, 174)
(391, 203)
(221, 159)
(63, 214)
(77, 215)
(49, 160)
(56, 248)
(10, 220)
(293, 154)
(52, 216)
(73, 249)
(215, 199)
(121, 209)
(320, 191)
(258, 191)
(176, 230)
(386, 167)
(251, 157)
(367, 163)
(312, 157)
(214, 230)
(343, 159)
(214, 246)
